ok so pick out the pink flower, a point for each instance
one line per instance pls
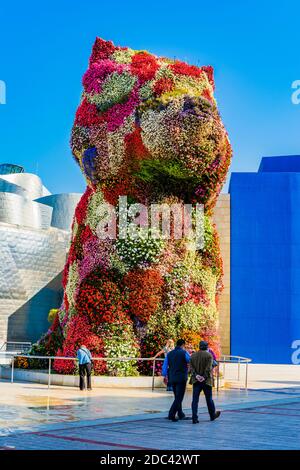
(96, 253)
(98, 71)
(116, 114)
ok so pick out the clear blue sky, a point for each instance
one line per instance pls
(253, 46)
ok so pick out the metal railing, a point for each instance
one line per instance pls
(223, 360)
(227, 359)
(105, 359)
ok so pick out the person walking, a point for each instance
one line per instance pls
(85, 367)
(175, 372)
(202, 379)
(169, 346)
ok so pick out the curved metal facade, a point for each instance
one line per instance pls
(31, 183)
(30, 261)
(34, 237)
(25, 201)
(63, 206)
(7, 187)
(17, 210)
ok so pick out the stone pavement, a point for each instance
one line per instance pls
(264, 419)
(24, 405)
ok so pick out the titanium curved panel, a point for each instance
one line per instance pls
(7, 187)
(63, 208)
(17, 210)
(46, 191)
(29, 182)
(31, 260)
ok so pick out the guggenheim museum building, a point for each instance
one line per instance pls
(34, 237)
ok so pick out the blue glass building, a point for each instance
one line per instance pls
(265, 260)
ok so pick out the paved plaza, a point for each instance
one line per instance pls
(33, 417)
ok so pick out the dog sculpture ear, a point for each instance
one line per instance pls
(101, 50)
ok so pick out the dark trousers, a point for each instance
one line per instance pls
(169, 386)
(197, 389)
(179, 391)
(85, 370)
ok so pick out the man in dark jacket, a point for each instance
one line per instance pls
(175, 370)
(202, 379)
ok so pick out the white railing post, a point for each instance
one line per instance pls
(246, 378)
(12, 369)
(49, 373)
(153, 374)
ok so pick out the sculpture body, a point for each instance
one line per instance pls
(147, 128)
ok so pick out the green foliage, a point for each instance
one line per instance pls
(38, 349)
(190, 317)
(208, 235)
(115, 89)
(162, 325)
(168, 177)
(119, 342)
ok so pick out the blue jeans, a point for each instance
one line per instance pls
(207, 389)
(179, 391)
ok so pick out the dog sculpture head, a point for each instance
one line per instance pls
(148, 127)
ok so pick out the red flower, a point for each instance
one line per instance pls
(66, 302)
(122, 185)
(182, 68)
(144, 292)
(134, 146)
(163, 85)
(86, 235)
(102, 50)
(101, 301)
(81, 208)
(197, 295)
(79, 332)
(87, 114)
(144, 66)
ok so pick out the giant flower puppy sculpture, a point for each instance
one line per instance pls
(147, 128)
